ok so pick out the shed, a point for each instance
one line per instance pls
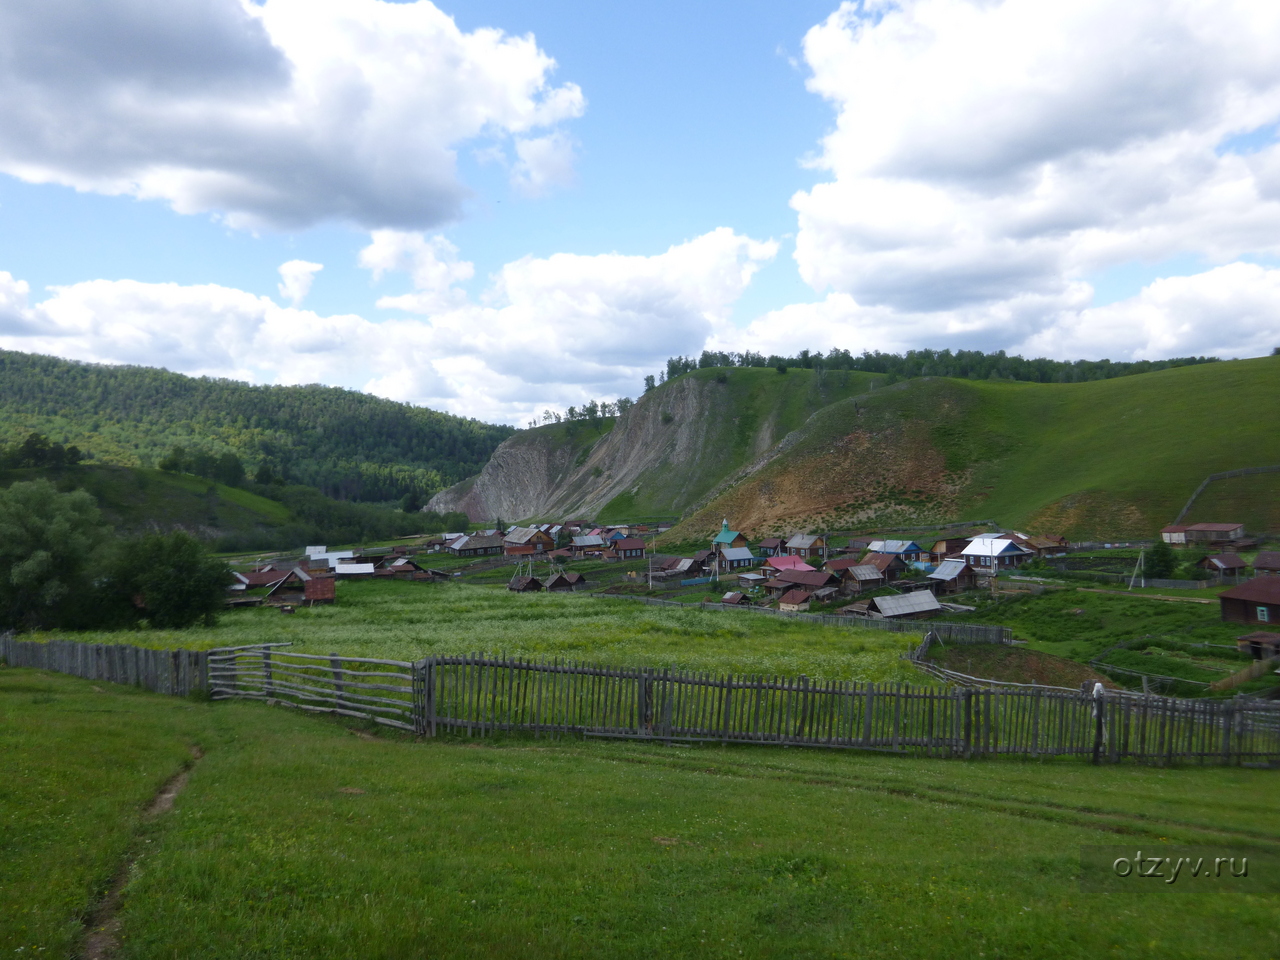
(1225, 563)
(953, 576)
(735, 598)
(565, 582)
(1214, 532)
(1256, 601)
(1261, 646)
(921, 603)
(320, 590)
(524, 584)
(794, 601)
(1174, 534)
(354, 571)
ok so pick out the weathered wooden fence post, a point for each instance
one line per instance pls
(1098, 704)
(268, 685)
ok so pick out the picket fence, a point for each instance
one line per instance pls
(176, 672)
(481, 695)
(975, 632)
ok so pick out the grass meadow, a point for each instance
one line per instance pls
(406, 621)
(297, 836)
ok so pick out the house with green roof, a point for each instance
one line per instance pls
(727, 539)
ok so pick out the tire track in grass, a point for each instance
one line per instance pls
(1111, 821)
(102, 927)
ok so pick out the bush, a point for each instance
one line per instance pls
(171, 580)
(49, 544)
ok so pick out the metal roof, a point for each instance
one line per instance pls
(921, 601)
(802, 541)
(866, 571)
(894, 546)
(737, 553)
(948, 570)
(991, 548)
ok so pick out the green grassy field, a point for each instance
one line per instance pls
(399, 620)
(294, 838)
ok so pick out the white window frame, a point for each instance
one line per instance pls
(1264, 614)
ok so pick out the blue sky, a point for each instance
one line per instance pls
(1091, 178)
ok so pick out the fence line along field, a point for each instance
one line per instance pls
(479, 695)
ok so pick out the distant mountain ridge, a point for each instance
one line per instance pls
(828, 449)
(348, 444)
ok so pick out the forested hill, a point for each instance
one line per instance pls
(348, 444)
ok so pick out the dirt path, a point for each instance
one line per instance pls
(102, 929)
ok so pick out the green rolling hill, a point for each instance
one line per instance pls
(348, 444)
(853, 450)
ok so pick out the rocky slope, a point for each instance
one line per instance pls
(810, 451)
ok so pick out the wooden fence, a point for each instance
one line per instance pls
(177, 672)
(974, 632)
(481, 695)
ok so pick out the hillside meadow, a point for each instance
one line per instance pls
(405, 621)
(1096, 460)
(295, 838)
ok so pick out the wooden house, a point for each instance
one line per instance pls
(808, 579)
(475, 546)
(1256, 601)
(989, 555)
(770, 547)
(948, 548)
(807, 546)
(794, 601)
(726, 539)
(855, 575)
(907, 550)
(736, 558)
(1267, 563)
(525, 541)
(524, 584)
(629, 548)
(890, 565)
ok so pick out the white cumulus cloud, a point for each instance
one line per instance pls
(548, 332)
(987, 157)
(281, 113)
(296, 277)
